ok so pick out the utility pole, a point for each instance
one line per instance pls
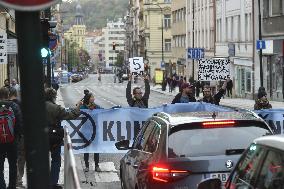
(47, 16)
(33, 107)
(260, 50)
(193, 21)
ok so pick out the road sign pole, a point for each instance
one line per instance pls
(33, 107)
(260, 50)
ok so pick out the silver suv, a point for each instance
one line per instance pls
(180, 150)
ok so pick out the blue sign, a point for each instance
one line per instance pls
(162, 64)
(260, 44)
(195, 53)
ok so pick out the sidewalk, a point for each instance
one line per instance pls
(231, 102)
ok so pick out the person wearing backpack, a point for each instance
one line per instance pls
(10, 133)
(13, 96)
(55, 114)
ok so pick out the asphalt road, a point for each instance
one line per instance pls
(107, 94)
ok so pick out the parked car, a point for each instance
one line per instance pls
(76, 77)
(260, 167)
(124, 77)
(179, 150)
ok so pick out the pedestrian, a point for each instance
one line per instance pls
(207, 94)
(13, 96)
(55, 114)
(15, 84)
(229, 87)
(170, 84)
(262, 102)
(7, 84)
(89, 103)
(180, 83)
(10, 133)
(186, 95)
(137, 99)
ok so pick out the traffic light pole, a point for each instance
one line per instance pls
(47, 15)
(33, 105)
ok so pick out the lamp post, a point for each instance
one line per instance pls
(260, 50)
(161, 9)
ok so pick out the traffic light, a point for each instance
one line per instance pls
(44, 32)
(113, 46)
(44, 52)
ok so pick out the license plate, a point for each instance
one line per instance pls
(222, 176)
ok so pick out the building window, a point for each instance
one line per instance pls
(168, 45)
(167, 1)
(276, 7)
(248, 81)
(167, 20)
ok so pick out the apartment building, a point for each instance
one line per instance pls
(113, 33)
(234, 40)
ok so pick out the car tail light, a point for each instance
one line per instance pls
(166, 175)
(217, 124)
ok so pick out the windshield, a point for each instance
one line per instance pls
(211, 142)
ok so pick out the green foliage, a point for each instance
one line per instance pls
(119, 60)
(96, 12)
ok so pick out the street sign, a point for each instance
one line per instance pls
(162, 64)
(12, 46)
(28, 5)
(260, 44)
(195, 53)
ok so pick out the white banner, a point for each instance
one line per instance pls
(3, 47)
(213, 69)
(136, 65)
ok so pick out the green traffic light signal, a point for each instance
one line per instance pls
(45, 52)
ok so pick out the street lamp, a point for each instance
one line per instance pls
(161, 9)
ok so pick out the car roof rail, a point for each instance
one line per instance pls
(162, 115)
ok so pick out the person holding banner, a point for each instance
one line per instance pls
(207, 95)
(186, 95)
(55, 114)
(89, 103)
(137, 99)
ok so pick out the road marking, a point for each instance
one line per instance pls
(108, 174)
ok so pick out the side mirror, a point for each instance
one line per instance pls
(213, 183)
(123, 145)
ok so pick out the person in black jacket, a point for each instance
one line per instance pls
(207, 95)
(186, 95)
(229, 86)
(9, 150)
(137, 99)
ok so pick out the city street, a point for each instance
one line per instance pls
(107, 94)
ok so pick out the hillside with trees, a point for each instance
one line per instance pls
(96, 12)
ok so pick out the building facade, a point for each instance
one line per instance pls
(234, 40)
(272, 29)
(113, 34)
(178, 65)
(157, 34)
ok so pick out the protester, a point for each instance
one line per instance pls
(180, 83)
(55, 114)
(207, 94)
(7, 84)
(186, 95)
(262, 102)
(89, 103)
(15, 85)
(10, 133)
(13, 96)
(229, 87)
(137, 99)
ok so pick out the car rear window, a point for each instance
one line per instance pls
(188, 142)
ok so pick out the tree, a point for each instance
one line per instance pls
(120, 59)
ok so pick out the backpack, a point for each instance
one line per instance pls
(7, 125)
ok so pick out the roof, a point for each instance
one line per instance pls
(181, 118)
(275, 141)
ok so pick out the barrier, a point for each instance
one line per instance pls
(71, 179)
